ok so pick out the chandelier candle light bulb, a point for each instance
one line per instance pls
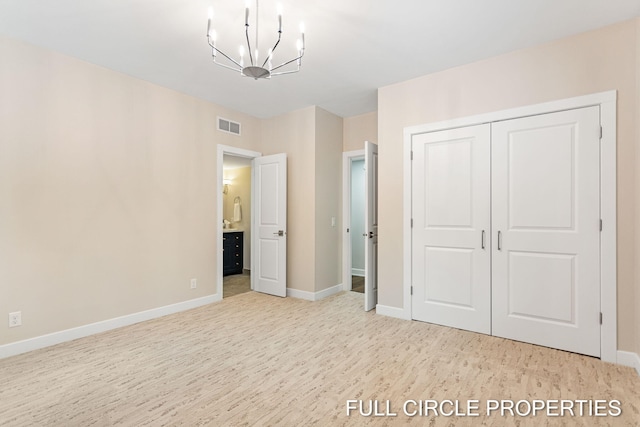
(254, 68)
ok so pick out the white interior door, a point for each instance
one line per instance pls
(546, 204)
(451, 208)
(371, 226)
(269, 234)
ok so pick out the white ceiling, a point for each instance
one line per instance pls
(353, 47)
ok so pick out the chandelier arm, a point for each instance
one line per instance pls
(286, 72)
(237, 70)
(226, 56)
(288, 62)
(257, 30)
(272, 49)
(248, 43)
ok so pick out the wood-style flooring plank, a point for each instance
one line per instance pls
(259, 360)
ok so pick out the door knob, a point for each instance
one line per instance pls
(279, 233)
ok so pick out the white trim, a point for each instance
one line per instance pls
(357, 272)
(515, 113)
(239, 152)
(406, 227)
(314, 296)
(608, 256)
(328, 292)
(305, 295)
(54, 338)
(348, 157)
(398, 313)
(608, 236)
(630, 359)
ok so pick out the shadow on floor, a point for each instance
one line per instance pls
(357, 284)
(236, 284)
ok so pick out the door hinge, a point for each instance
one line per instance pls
(411, 155)
(600, 225)
(600, 132)
(411, 222)
(601, 318)
(347, 230)
(411, 290)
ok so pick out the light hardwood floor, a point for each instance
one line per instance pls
(259, 360)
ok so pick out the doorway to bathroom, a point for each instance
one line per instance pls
(258, 218)
(236, 228)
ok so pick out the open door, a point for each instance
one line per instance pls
(269, 239)
(371, 226)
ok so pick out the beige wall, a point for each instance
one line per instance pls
(592, 62)
(107, 192)
(240, 187)
(328, 198)
(637, 175)
(358, 129)
(294, 134)
(312, 139)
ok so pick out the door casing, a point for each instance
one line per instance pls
(238, 152)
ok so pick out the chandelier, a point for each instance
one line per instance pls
(253, 68)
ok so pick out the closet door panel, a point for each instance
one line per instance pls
(545, 219)
(451, 213)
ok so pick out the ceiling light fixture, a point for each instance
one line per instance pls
(254, 69)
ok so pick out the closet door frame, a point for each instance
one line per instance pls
(608, 255)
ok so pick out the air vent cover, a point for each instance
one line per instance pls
(228, 126)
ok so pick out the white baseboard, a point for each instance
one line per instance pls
(295, 293)
(628, 358)
(54, 338)
(396, 312)
(328, 292)
(357, 272)
(313, 296)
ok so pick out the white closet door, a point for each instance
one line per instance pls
(545, 217)
(451, 261)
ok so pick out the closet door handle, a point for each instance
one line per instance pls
(499, 240)
(482, 241)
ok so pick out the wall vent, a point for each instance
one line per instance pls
(228, 126)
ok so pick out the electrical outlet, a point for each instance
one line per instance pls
(194, 283)
(15, 319)
(333, 221)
